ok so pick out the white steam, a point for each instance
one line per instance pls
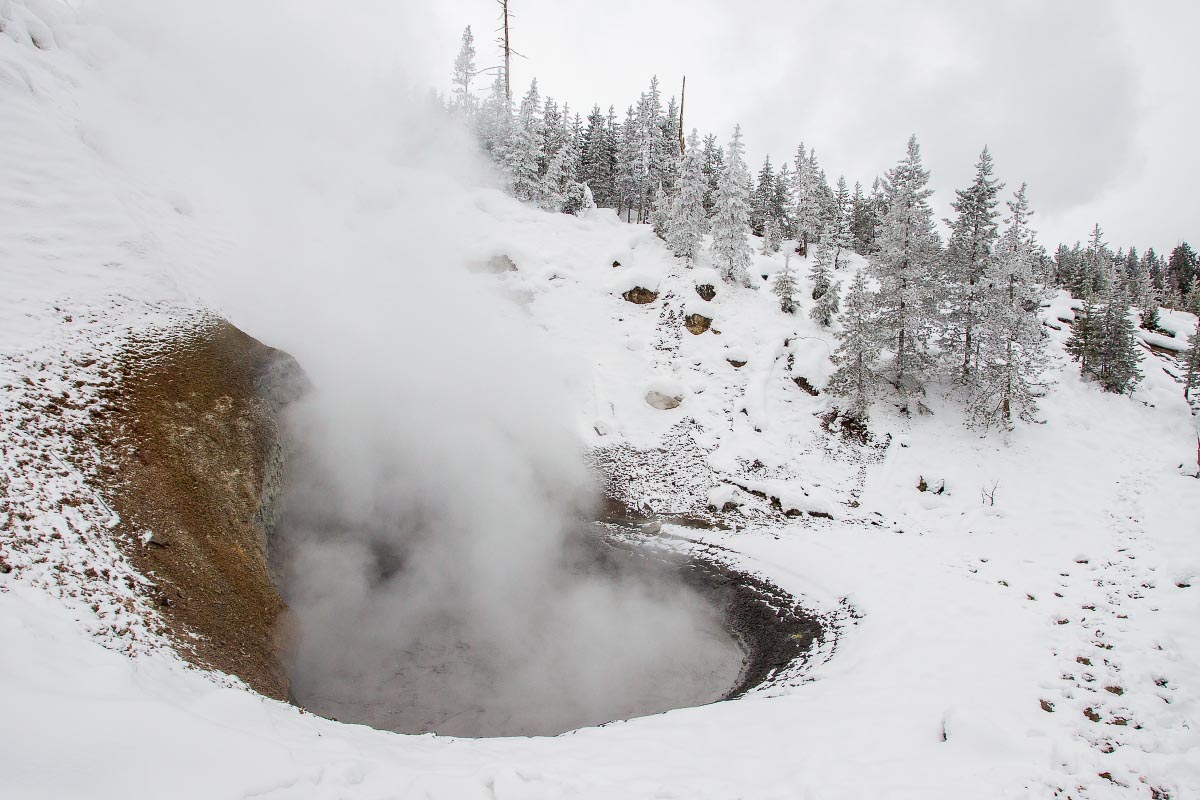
(299, 187)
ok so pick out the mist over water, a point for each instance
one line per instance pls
(483, 608)
(291, 180)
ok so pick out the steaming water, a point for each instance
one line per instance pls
(645, 643)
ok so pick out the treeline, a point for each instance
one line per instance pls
(962, 314)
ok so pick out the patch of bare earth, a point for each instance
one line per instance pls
(197, 446)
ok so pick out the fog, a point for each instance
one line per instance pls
(290, 177)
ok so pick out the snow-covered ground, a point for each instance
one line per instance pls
(1030, 630)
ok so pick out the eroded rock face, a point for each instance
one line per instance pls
(640, 295)
(663, 402)
(697, 323)
(201, 458)
(706, 291)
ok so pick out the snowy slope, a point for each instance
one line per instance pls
(1042, 644)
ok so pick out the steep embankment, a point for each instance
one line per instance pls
(197, 441)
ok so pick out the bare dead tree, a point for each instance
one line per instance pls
(507, 48)
(682, 100)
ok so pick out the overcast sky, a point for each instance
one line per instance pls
(1093, 104)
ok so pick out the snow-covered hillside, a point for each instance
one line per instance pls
(1024, 627)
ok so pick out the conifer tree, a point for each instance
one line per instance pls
(807, 211)
(627, 178)
(660, 211)
(1143, 294)
(731, 221)
(494, 122)
(524, 150)
(973, 236)
(827, 306)
(820, 273)
(1182, 269)
(464, 73)
(908, 247)
(784, 286)
(762, 198)
(1191, 364)
(840, 238)
(863, 222)
(1119, 352)
(771, 237)
(714, 167)
(856, 359)
(1011, 357)
(781, 203)
(688, 224)
(1083, 345)
(1093, 274)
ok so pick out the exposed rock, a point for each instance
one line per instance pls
(663, 402)
(697, 323)
(640, 295)
(736, 364)
(200, 458)
(706, 291)
(616, 264)
(803, 383)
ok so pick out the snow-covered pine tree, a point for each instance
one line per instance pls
(908, 248)
(1083, 345)
(595, 158)
(1012, 354)
(554, 134)
(688, 223)
(820, 273)
(648, 140)
(825, 208)
(551, 195)
(731, 221)
(714, 167)
(1093, 272)
(772, 239)
(523, 151)
(827, 306)
(1143, 294)
(781, 202)
(807, 208)
(863, 222)
(587, 201)
(660, 211)
(784, 286)
(1191, 364)
(627, 179)
(856, 359)
(464, 73)
(494, 122)
(667, 155)
(973, 236)
(1119, 351)
(1183, 267)
(762, 197)
(841, 241)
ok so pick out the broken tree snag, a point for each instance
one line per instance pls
(504, 43)
(682, 100)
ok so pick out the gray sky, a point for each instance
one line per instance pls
(1093, 104)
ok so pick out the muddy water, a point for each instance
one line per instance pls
(454, 680)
